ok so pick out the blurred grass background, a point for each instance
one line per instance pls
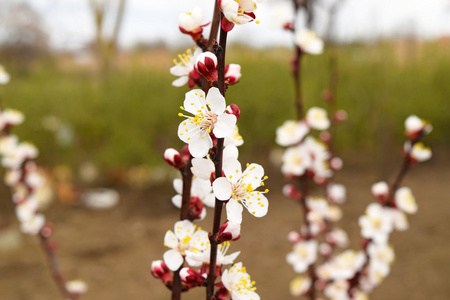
(130, 116)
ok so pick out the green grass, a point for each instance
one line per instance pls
(131, 117)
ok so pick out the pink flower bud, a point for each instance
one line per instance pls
(160, 270)
(327, 95)
(340, 116)
(233, 109)
(294, 237)
(290, 191)
(325, 249)
(196, 208)
(229, 232)
(232, 73)
(325, 136)
(191, 277)
(380, 190)
(173, 157)
(336, 163)
(206, 65)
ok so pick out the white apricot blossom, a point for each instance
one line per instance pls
(303, 255)
(291, 132)
(309, 42)
(184, 68)
(240, 187)
(377, 223)
(317, 118)
(239, 284)
(404, 199)
(237, 12)
(208, 116)
(185, 237)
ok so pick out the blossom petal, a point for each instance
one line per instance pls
(176, 200)
(222, 188)
(234, 211)
(253, 175)
(257, 205)
(180, 81)
(179, 70)
(173, 259)
(184, 228)
(194, 101)
(202, 168)
(243, 294)
(216, 101)
(232, 169)
(170, 239)
(199, 145)
(225, 125)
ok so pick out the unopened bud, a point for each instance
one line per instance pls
(415, 126)
(325, 249)
(325, 136)
(336, 163)
(229, 231)
(290, 191)
(233, 109)
(340, 116)
(232, 73)
(191, 277)
(327, 95)
(173, 157)
(160, 270)
(380, 190)
(294, 237)
(206, 65)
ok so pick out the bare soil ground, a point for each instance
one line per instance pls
(112, 250)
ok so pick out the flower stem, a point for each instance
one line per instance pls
(218, 173)
(186, 173)
(214, 25)
(54, 267)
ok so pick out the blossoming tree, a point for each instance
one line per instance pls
(309, 161)
(211, 174)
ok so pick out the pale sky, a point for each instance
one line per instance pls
(70, 25)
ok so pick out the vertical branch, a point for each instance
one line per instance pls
(187, 183)
(54, 267)
(218, 171)
(214, 25)
(297, 73)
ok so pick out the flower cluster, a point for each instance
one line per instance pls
(25, 180)
(211, 173)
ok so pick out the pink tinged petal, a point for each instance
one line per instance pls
(194, 100)
(176, 200)
(234, 211)
(257, 205)
(222, 188)
(242, 19)
(225, 125)
(170, 240)
(227, 25)
(199, 145)
(216, 101)
(226, 279)
(202, 168)
(173, 259)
